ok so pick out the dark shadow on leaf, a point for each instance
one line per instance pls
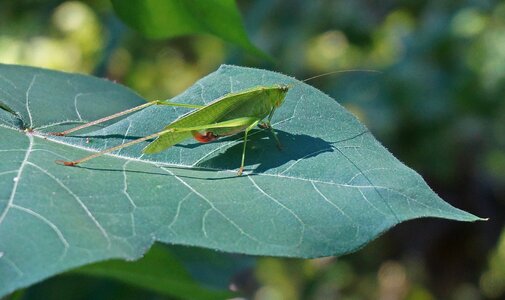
(262, 151)
(159, 173)
(104, 137)
(232, 175)
(6, 108)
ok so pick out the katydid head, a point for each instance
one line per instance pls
(281, 92)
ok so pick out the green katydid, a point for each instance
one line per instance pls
(225, 116)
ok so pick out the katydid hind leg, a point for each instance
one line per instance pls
(108, 150)
(104, 119)
(124, 112)
(185, 105)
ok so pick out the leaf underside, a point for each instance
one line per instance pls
(332, 189)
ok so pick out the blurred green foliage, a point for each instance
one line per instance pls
(439, 105)
(492, 281)
(159, 270)
(172, 18)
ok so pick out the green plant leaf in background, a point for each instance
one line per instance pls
(171, 18)
(330, 191)
(158, 271)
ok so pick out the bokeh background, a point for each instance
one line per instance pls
(438, 105)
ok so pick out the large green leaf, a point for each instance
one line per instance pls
(332, 188)
(172, 18)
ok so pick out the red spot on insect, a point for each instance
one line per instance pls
(204, 138)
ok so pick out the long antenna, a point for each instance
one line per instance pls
(342, 71)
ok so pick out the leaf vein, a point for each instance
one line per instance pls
(211, 205)
(10, 202)
(299, 220)
(13, 266)
(78, 200)
(27, 100)
(308, 155)
(53, 226)
(330, 202)
(75, 105)
(178, 210)
(370, 181)
(128, 196)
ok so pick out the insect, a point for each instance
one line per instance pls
(228, 115)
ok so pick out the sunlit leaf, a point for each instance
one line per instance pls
(332, 189)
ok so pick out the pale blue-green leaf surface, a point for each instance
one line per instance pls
(332, 189)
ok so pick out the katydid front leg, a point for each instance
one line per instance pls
(268, 125)
(241, 169)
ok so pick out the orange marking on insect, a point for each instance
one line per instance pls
(204, 138)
